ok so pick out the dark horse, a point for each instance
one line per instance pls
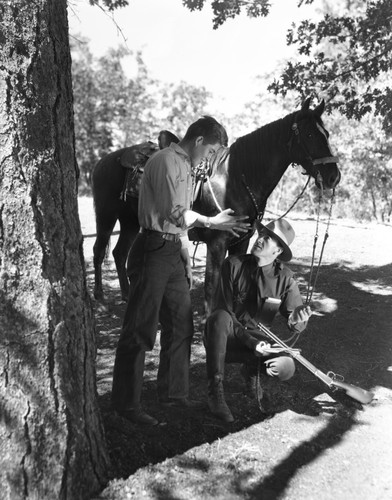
(242, 178)
(110, 206)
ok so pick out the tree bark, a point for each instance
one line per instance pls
(51, 435)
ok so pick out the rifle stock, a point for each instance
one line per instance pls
(330, 379)
(357, 393)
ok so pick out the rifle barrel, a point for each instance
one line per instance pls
(357, 393)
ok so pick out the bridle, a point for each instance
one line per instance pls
(308, 157)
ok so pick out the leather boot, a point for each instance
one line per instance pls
(250, 379)
(216, 399)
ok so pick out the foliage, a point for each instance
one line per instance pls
(229, 9)
(364, 152)
(183, 103)
(345, 60)
(114, 110)
(110, 108)
(344, 57)
(110, 4)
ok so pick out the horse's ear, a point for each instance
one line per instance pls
(165, 138)
(306, 104)
(319, 109)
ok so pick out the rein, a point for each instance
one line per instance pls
(311, 287)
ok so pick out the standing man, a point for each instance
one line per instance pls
(252, 289)
(160, 272)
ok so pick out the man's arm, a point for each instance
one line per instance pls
(185, 257)
(293, 308)
(224, 221)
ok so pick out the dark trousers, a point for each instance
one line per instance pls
(223, 346)
(159, 291)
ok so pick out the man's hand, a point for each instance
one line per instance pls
(300, 314)
(265, 349)
(272, 368)
(262, 348)
(187, 265)
(224, 221)
(189, 275)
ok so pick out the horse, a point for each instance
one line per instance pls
(242, 177)
(111, 204)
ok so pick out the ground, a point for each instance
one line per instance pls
(317, 444)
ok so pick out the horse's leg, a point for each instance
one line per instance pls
(216, 251)
(128, 232)
(104, 230)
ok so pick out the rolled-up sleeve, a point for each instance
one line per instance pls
(176, 187)
(292, 299)
(165, 192)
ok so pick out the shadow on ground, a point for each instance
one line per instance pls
(347, 336)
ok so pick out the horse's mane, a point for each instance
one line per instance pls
(246, 151)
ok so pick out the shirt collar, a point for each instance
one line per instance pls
(272, 268)
(178, 149)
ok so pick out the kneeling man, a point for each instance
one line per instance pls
(252, 289)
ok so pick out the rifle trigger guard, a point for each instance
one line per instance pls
(335, 376)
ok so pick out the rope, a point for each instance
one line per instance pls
(307, 300)
(296, 201)
(196, 245)
(322, 250)
(213, 195)
(311, 287)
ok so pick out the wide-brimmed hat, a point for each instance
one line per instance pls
(282, 231)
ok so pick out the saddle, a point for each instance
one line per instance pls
(133, 159)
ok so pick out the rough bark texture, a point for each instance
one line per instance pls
(51, 437)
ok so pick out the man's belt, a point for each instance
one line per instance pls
(165, 236)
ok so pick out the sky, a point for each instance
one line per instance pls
(178, 44)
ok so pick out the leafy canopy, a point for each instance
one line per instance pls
(345, 57)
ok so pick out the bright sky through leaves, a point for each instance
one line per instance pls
(181, 45)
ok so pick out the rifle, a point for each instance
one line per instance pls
(332, 380)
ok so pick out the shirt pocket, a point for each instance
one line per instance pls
(270, 308)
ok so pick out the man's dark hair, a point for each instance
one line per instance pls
(212, 131)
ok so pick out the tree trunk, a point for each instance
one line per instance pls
(51, 435)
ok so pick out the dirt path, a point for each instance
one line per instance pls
(315, 445)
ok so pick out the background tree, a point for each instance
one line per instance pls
(114, 110)
(182, 104)
(52, 442)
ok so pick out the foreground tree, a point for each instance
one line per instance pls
(52, 443)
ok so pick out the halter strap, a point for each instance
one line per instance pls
(324, 161)
(318, 161)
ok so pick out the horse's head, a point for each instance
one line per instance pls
(309, 146)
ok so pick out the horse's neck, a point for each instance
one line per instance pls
(252, 170)
(263, 169)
